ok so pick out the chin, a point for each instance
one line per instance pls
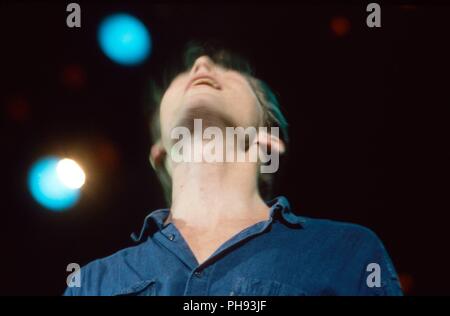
(201, 107)
(202, 99)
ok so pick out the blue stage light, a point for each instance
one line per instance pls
(124, 39)
(55, 183)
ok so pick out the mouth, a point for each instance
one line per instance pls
(203, 81)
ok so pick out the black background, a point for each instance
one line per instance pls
(366, 112)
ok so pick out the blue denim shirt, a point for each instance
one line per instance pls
(285, 255)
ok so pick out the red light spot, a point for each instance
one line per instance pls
(406, 281)
(340, 25)
(18, 109)
(108, 155)
(408, 7)
(74, 76)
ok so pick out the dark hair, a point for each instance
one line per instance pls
(229, 60)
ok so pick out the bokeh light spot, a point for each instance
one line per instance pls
(70, 173)
(74, 76)
(18, 109)
(46, 185)
(340, 25)
(407, 282)
(124, 39)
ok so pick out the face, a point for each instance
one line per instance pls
(208, 88)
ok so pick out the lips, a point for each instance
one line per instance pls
(203, 80)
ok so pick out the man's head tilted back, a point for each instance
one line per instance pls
(219, 88)
(219, 237)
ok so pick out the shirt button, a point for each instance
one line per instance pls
(171, 237)
(198, 274)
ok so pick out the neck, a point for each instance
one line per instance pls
(210, 195)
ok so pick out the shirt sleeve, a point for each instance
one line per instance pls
(68, 292)
(378, 275)
(84, 285)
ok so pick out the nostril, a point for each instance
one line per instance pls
(199, 67)
(203, 62)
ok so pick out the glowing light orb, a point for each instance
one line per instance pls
(70, 173)
(55, 183)
(340, 25)
(124, 39)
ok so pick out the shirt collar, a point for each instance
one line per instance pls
(279, 207)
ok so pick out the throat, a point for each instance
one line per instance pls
(204, 242)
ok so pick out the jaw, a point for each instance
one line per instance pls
(210, 116)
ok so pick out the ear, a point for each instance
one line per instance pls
(272, 142)
(157, 155)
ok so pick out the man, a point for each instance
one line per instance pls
(219, 236)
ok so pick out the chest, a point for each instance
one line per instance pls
(203, 243)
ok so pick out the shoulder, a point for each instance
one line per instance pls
(350, 232)
(343, 238)
(113, 274)
(352, 251)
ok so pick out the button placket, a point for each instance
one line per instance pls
(198, 274)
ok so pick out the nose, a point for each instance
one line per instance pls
(202, 64)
